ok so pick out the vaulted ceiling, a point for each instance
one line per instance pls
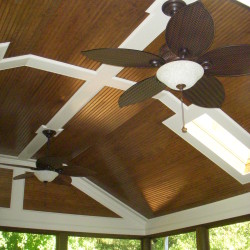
(137, 158)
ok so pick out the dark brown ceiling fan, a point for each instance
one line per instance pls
(183, 65)
(51, 168)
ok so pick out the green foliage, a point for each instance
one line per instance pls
(176, 242)
(26, 241)
(83, 243)
(231, 237)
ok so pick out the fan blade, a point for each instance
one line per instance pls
(23, 176)
(190, 29)
(141, 91)
(54, 162)
(62, 180)
(20, 166)
(208, 92)
(231, 60)
(77, 171)
(124, 57)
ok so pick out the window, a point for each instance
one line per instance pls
(185, 241)
(85, 243)
(221, 142)
(236, 236)
(20, 241)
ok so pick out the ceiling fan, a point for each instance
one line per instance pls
(51, 168)
(183, 64)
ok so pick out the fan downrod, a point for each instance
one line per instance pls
(49, 133)
(170, 7)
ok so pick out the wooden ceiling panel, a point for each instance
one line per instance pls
(90, 125)
(231, 20)
(60, 29)
(52, 197)
(133, 139)
(6, 176)
(29, 98)
(143, 160)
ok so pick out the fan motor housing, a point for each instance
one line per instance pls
(172, 6)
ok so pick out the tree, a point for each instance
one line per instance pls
(176, 242)
(231, 237)
(26, 241)
(236, 236)
(83, 243)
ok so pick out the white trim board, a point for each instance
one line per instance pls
(67, 222)
(225, 209)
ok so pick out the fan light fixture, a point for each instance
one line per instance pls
(46, 175)
(180, 72)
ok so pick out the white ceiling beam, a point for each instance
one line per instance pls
(60, 68)
(245, 2)
(17, 191)
(221, 210)
(13, 62)
(109, 201)
(67, 222)
(3, 49)
(15, 160)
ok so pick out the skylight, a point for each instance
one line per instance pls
(221, 142)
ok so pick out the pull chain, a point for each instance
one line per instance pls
(184, 129)
(181, 87)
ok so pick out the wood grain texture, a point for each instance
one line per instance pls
(29, 98)
(61, 198)
(92, 123)
(60, 29)
(5, 186)
(142, 160)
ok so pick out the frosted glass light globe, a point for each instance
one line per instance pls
(180, 72)
(46, 175)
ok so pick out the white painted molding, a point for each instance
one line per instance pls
(192, 112)
(225, 209)
(246, 2)
(15, 160)
(67, 222)
(60, 68)
(108, 200)
(13, 62)
(17, 191)
(3, 49)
